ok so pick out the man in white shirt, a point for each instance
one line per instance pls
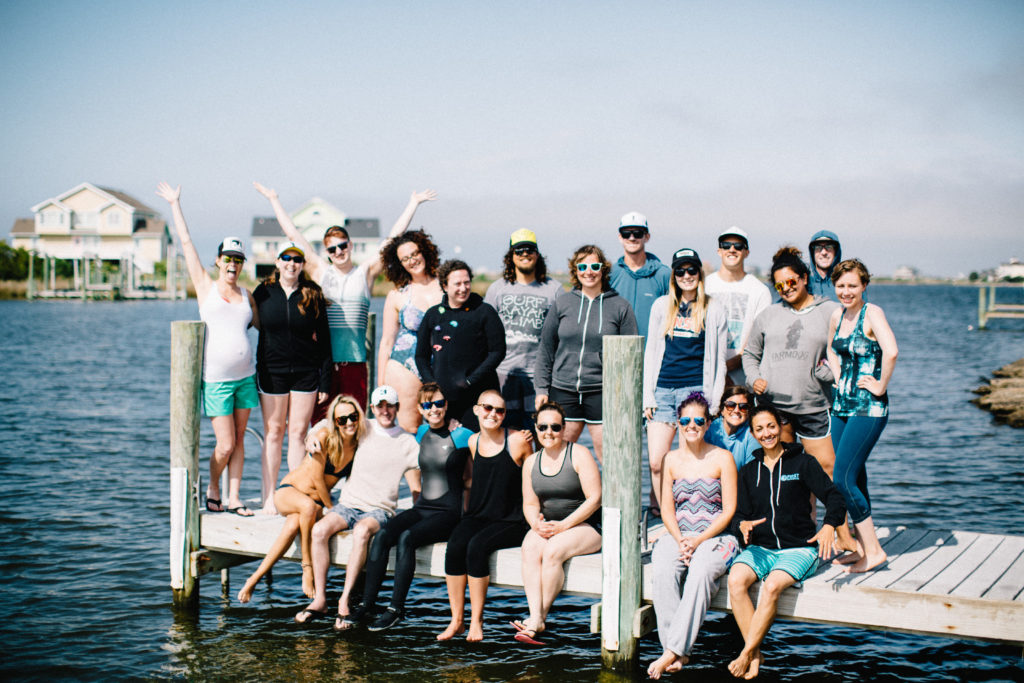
(741, 294)
(368, 499)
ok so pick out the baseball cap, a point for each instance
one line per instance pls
(633, 219)
(522, 236)
(290, 246)
(685, 256)
(735, 232)
(232, 246)
(384, 393)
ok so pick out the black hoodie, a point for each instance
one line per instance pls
(783, 497)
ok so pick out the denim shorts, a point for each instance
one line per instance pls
(353, 516)
(224, 398)
(800, 563)
(668, 401)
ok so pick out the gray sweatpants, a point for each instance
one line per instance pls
(682, 593)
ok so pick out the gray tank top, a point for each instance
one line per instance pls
(561, 493)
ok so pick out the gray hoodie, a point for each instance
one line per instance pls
(569, 357)
(784, 348)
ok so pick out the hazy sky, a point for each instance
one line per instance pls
(898, 125)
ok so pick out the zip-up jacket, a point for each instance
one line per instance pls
(821, 285)
(569, 356)
(642, 286)
(782, 496)
(291, 341)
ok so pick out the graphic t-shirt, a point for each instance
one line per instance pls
(522, 309)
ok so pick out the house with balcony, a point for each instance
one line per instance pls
(312, 219)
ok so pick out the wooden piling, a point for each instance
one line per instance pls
(371, 356)
(186, 377)
(30, 290)
(982, 310)
(620, 499)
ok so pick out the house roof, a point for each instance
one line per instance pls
(127, 199)
(115, 196)
(263, 226)
(363, 227)
(23, 226)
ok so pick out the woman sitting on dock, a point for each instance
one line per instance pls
(410, 262)
(494, 516)
(229, 370)
(698, 548)
(562, 505)
(445, 472)
(293, 361)
(862, 355)
(773, 517)
(306, 491)
(731, 430)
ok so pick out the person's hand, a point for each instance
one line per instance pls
(871, 384)
(453, 424)
(424, 196)
(824, 539)
(313, 444)
(265, 191)
(548, 529)
(322, 396)
(687, 546)
(527, 434)
(747, 525)
(539, 401)
(649, 413)
(760, 385)
(171, 194)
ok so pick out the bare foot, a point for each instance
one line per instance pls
(739, 666)
(668, 662)
(677, 665)
(246, 593)
(755, 666)
(476, 632)
(308, 587)
(268, 507)
(866, 564)
(846, 541)
(851, 557)
(455, 627)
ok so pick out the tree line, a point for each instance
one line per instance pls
(14, 264)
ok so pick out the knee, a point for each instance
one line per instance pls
(739, 581)
(321, 532)
(552, 557)
(275, 430)
(361, 533)
(772, 588)
(224, 448)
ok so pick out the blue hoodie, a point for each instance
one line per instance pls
(641, 287)
(816, 284)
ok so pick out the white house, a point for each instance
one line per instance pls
(1009, 270)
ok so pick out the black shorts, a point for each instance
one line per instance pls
(578, 407)
(810, 426)
(283, 383)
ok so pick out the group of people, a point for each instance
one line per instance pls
(480, 402)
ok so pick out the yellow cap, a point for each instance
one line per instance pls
(523, 236)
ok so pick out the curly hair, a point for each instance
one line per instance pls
(851, 265)
(449, 267)
(312, 296)
(789, 257)
(540, 271)
(393, 268)
(579, 255)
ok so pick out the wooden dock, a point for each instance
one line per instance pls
(989, 309)
(938, 583)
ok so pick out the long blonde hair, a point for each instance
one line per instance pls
(698, 309)
(334, 445)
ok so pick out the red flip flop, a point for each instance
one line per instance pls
(525, 637)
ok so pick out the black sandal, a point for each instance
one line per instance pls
(210, 502)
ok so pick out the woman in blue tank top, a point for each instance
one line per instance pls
(862, 356)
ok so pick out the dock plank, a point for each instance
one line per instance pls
(989, 571)
(949, 578)
(905, 562)
(885, 536)
(1009, 584)
(957, 543)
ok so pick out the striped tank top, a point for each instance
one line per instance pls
(347, 313)
(698, 503)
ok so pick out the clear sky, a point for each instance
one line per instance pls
(898, 125)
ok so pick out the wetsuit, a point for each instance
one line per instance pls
(431, 519)
(293, 352)
(494, 519)
(561, 493)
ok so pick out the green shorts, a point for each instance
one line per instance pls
(800, 563)
(224, 398)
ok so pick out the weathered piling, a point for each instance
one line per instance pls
(186, 376)
(371, 355)
(620, 500)
(30, 290)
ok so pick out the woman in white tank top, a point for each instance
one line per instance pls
(229, 369)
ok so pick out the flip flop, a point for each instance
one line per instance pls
(344, 623)
(527, 636)
(210, 502)
(241, 511)
(314, 614)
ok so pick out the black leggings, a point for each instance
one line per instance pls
(407, 531)
(474, 540)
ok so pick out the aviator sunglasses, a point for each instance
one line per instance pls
(583, 267)
(340, 246)
(786, 284)
(554, 427)
(342, 420)
(488, 408)
(292, 257)
(426, 405)
(699, 421)
(632, 233)
(688, 270)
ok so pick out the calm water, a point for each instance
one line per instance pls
(83, 564)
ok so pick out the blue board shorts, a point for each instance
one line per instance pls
(800, 563)
(224, 398)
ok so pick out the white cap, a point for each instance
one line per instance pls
(290, 246)
(633, 219)
(384, 393)
(736, 232)
(232, 246)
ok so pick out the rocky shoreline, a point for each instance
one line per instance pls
(1003, 395)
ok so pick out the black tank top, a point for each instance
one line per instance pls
(560, 493)
(497, 491)
(442, 465)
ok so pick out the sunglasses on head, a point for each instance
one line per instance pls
(234, 259)
(632, 233)
(340, 246)
(737, 246)
(733, 405)
(427, 405)
(292, 257)
(342, 420)
(686, 270)
(583, 267)
(555, 427)
(487, 408)
(699, 421)
(524, 251)
(786, 284)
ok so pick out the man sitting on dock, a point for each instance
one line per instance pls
(368, 499)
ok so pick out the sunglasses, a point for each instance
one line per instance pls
(427, 405)
(632, 233)
(823, 247)
(736, 246)
(487, 408)
(786, 284)
(688, 270)
(234, 259)
(733, 405)
(340, 246)
(583, 267)
(292, 257)
(342, 420)
(554, 427)
(524, 251)
(411, 257)
(699, 421)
